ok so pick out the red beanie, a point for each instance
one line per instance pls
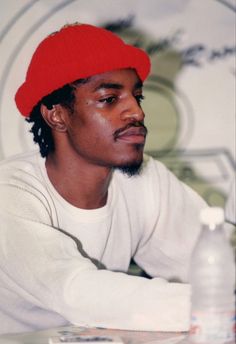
(75, 52)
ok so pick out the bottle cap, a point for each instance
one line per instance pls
(212, 216)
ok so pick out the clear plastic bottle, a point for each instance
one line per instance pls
(212, 277)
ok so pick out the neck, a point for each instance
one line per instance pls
(80, 183)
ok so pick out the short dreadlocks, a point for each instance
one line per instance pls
(42, 132)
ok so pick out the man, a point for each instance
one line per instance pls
(73, 218)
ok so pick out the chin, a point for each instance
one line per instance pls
(130, 170)
(131, 167)
(130, 162)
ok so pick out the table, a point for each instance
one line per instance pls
(128, 337)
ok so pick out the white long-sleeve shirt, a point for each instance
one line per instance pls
(61, 265)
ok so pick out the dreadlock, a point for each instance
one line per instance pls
(42, 132)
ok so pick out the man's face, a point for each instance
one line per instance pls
(106, 127)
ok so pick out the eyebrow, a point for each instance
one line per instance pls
(116, 86)
(108, 85)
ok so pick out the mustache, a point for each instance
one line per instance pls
(130, 125)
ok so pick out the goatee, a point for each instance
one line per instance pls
(130, 170)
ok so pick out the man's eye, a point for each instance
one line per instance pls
(108, 100)
(139, 98)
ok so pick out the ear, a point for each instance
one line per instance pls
(54, 117)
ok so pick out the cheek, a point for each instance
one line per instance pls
(95, 130)
(100, 122)
(103, 122)
(102, 130)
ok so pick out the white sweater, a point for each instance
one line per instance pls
(61, 265)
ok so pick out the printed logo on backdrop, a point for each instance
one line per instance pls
(169, 110)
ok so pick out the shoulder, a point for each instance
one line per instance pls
(145, 187)
(20, 167)
(22, 187)
(158, 183)
(152, 171)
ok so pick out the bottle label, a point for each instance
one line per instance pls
(212, 327)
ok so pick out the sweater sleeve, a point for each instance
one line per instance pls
(172, 225)
(45, 269)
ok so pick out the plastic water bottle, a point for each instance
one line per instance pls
(212, 277)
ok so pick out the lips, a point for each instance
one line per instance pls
(132, 135)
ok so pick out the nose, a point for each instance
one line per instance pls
(132, 110)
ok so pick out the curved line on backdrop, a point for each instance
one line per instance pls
(15, 18)
(162, 91)
(227, 4)
(21, 43)
(181, 105)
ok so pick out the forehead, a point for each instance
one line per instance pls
(118, 79)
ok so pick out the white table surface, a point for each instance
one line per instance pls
(128, 337)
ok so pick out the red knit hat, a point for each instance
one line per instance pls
(76, 51)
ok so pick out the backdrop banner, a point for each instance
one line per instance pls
(189, 96)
